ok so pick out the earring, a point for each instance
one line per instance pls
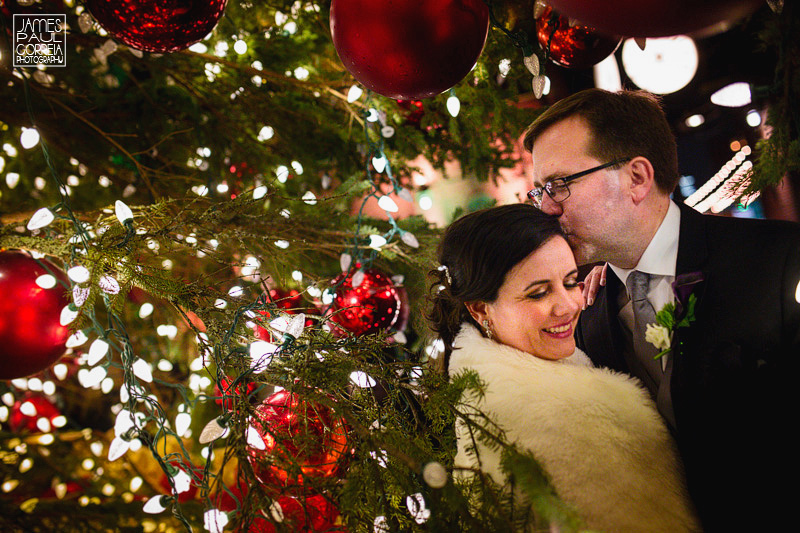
(487, 329)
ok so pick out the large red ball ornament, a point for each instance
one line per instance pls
(409, 49)
(577, 46)
(31, 335)
(301, 441)
(157, 25)
(656, 18)
(374, 305)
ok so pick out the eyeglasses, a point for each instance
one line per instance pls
(558, 190)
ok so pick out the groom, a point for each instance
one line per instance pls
(605, 164)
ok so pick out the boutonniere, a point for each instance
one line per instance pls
(674, 315)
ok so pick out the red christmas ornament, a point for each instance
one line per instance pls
(301, 441)
(31, 335)
(578, 46)
(27, 412)
(157, 25)
(231, 390)
(311, 513)
(409, 49)
(656, 18)
(374, 305)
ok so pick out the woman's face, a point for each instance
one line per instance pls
(539, 302)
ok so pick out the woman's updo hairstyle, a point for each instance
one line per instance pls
(475, 254)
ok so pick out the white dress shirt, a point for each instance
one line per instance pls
(659, 260)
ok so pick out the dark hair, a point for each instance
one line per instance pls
(479, 249)
(622, 124)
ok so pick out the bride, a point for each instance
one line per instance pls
(507, 303)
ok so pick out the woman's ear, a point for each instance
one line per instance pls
(478, 310)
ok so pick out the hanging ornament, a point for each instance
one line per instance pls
(375, 304)
(295, 440)
(572, 46)
(657, 18)
(31, 299)
(157, 26)
(33, 413)
(409, 49)
(307, 514)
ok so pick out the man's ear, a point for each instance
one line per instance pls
(478, 310)
(642, 178)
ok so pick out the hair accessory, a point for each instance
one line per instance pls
(446, 271)
(487, 328)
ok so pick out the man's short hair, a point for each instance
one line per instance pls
(622, 124)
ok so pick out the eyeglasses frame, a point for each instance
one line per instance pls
(572, 177)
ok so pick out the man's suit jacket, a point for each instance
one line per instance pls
(735, 368)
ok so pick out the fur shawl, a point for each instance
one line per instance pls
(596, 432)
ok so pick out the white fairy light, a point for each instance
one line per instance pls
(182, 481)
(453, 105)
(376, 242)
(135, 484)
(236, 291)
(410, 239)
(92, 378)
(753, 118)
(215, 520)
(43, 425)
(379, 163)
(301, 73)
(40, 219)
(276, 512)
(354, 93)
(282, 172)
(117, 448)
(261, 353)
(425, 202)
(76, 339)
(68, 315)
(59, 421)
(362, 379)
(107, 385)
(49, 387)
(417, 508)
(61, 371)
(79, 274)
(387, 204)
(46, 281)
(12, 180)
(146, 310)
(29, 138)
(212, 431)
(240, 47)
(380, 525)
(435, 475)
(282, 244)
(143, 370)
(297, 275)
(28, 409)
(123, 212)
(97, 351)
(182, 423)
(310, 198)
(259, 192)
(155, 505)
(266, 133)
(254, 440)
(797, 293)
(357, 279)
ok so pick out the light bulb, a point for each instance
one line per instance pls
(453, 105)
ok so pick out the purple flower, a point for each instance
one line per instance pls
(683, 286)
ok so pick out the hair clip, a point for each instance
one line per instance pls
(446, 271)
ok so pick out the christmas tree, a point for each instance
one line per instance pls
(190, 207)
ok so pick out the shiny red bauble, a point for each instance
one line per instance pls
(409, 49)
(157, 25)
(374, 305)
(31, 335)
(27, 414)
(656, 18)
(578, 46)
(308, 513)
(302, 440)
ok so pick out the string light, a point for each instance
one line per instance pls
(453, 104)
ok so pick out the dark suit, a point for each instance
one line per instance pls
(735, 369)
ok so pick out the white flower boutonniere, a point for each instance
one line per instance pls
(674, 315)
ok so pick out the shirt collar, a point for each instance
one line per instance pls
(661, 255)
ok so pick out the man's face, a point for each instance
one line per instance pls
(594, 215)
